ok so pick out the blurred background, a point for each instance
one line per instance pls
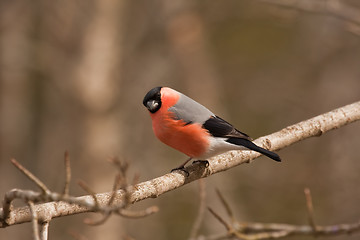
(73, 75)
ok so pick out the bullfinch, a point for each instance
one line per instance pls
(191, 128)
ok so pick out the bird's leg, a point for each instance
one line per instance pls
(182, 167)
(206, 162)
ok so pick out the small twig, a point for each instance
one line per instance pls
(108, 207)
(127, 237)
(138, 214)
(107, 214)
(231, 232)
(201, 210)
(91, 222)
(116, 186)
(310, 210)
(44, 232)
(226, 205)
(136, 179)
(122, 166)
(67, 174)
(258, 231)
(220, 236)
(87, 189)
(17, 193)
(34, 220)
(220, 219)
(120, 182)
(31, 176)
(77, 235)
(336, 9)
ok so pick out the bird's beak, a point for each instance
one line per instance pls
(151, 105)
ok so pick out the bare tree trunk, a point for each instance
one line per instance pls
(96, 80)
(188, 40)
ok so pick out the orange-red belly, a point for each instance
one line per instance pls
(191, 139)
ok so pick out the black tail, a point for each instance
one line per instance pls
(250, 145)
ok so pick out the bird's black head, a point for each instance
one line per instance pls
(152, 100)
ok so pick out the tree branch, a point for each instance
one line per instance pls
(201, 211)
(334, 8)
(261, 231)
(153, 188)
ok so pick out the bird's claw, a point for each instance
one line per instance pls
(201, 162)
(181, 168)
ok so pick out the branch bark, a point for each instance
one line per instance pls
(260, 231)
(153, 188)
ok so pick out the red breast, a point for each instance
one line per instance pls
(191, 139)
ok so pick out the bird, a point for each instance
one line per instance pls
(189, 127)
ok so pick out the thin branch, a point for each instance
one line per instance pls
(87, 189)
(334, 8)
(36, 197)
(332, 230)
(153, 188)
(127, 237)
(44, 232)
(116, 186)
(121, 181)
(138, 214)
(67, 174)
(107, 214)
(91, 222)
(120, 209)
(17, 193)
(214, 237)
(201, 210)
(259, 231)
(230, 230)
(31, 176)
(226, 205)
(227, 226)
(77, 235)
(34, 221)
(310, 209)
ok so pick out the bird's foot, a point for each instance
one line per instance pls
(206, 162)
(181, 168)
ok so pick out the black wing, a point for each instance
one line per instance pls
(218, 127)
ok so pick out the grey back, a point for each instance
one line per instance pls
(190, 111)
